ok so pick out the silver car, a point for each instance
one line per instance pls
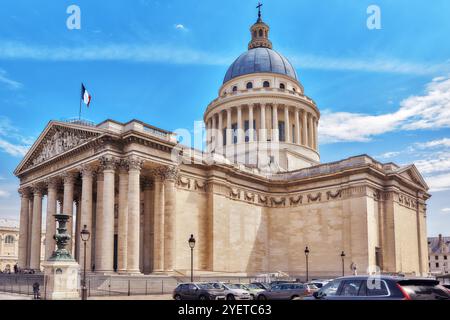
(285, 291)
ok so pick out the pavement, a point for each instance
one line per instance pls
(143, 297)
(13, 296)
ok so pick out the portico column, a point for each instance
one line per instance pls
(23, 230)
(122, 221)
(36, 229)
(134, 204)
(297, 127)
(69, 180)
(98, 217)
(274, 123)
(239, 124)
(229, 129)
(304, 128)
(250, 123)
(50, 225)
(310, 131)
(263, 130)
(158, 221)
(87, 176)
(287, 125)
(148, 224)
(106, 221)
(169, 217)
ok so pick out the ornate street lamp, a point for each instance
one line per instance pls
(191, 242)
(342, 258)
(307, 267)
(85, 236)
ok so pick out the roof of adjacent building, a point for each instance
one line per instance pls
(9, 223)
(260, 60)
(439, 245)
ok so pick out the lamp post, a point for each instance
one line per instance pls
(306, 256)
(342, 258)
(191, 242)
(85, 235)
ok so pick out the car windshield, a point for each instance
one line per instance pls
(205, 286)
(233, 286)
(252, 286)
(312, 286)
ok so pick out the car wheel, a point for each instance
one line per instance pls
(262, 297)
(177, 297)
(231, 297)
(202, 298)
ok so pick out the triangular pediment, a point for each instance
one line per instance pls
(412, 173)
(57, 139)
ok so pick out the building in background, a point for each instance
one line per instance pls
(9, 244)
(439, 255)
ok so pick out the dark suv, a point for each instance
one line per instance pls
(382, 288)
(197, 291)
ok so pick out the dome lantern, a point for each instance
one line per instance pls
(260, 33)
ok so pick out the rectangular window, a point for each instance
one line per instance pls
(234, 130)
(437, 265)
(445, 257)
(246, 127)
(281, 133)
(224, 135)
(293, 133)
(436, 258)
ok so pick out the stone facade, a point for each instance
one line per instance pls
(439, 255)
(254, 199)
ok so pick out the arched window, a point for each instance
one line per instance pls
(254, 34)
(282, 86)
(260, 32)
(249, 85)
(266, 84)
(9, 239)
(294, 89)
(234, 88)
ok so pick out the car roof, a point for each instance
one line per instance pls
(382, 277)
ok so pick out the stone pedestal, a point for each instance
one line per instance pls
(62, 280)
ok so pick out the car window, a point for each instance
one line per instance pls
(205, 286)
(330, 289)
(276, 287)
(375, 288)
(217, 286)
(192, 286)
(351, 288)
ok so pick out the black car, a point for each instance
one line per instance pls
(197, 291)
(382, 288)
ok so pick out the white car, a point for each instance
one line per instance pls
(319, 283)
(232, 291)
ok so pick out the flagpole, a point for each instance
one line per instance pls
(79, 113)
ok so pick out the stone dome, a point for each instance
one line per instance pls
(260, 60)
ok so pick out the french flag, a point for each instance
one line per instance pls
(85, 96)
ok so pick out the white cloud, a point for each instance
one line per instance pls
(181, 27)
(11, 141)
(388, 155)
(445, 210)
(445, 142)
(428, 111)
(440, 182)
(385, 65)
(4, 194)
(11, 84)
(111, 52)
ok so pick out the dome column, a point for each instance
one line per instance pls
(274, 123)
(315, 133)
(297, 126)
(219, 142)
(239, 124)
(263, 131)
(229, 130)
(287, 136)
(250, 123)
(304, 128)
(310, 131)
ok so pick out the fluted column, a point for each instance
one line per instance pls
(239, 125)
(50, 225)
(310, 131)
(77, 235)
(36, 229)
(220, 133)
(23, 228)
(69, 181)
(262, 129)
(106, 221)
(287, 125)
(297, 127)
(87, 177)
(158, 219)
(316, 135)
(229, 129)
(304, 128)
(250, 124)
(122, 220)
(169, 217)
(134, 204)
(147, 186)
(98, 217)
(274, 123)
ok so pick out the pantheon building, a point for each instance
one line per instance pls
(254, 198)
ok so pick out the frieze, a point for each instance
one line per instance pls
(184, 182)
(315, 198)
(295, 200)
(200, 185)
(249, 196)
(278, 201)
(334, 195)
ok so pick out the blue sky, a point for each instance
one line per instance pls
(383, 92)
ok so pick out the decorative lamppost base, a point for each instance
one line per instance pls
(62, 280)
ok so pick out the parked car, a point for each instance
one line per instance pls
(252, 288)
(232, 291)
(382, 288)
(285, 291)
(261, 285)
(197, 291)
(319, 283)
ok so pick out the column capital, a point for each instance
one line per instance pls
(38, 189)
(123, 165)
(52, 183)
(165, 173)
(108, 163)
(135, 163)
(147, 183)
(86, 171)
(25, 192)
(69, 177)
